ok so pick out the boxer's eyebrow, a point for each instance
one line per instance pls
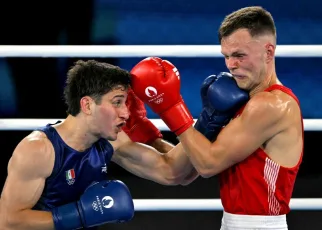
(120, 95)
(237, 52)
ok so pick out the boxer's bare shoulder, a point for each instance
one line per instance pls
(31, 163)
(35, 152)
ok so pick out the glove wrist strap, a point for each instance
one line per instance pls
(66, 217)
(178, 118)
(144, 131)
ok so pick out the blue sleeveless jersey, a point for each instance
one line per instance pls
(73, 171)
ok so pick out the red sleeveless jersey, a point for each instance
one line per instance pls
(258, 185)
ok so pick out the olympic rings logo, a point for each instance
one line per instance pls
(158, 101)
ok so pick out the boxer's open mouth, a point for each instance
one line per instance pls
(120, 125)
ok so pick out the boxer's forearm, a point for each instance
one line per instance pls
(175, 154)
(197, 148)
(27, 220)
(190, 177)
(177, 158)
(180, 164)
(161, 145)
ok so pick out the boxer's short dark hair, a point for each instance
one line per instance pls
(94, 79)
(255, 19)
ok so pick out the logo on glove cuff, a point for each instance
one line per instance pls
(151, 91)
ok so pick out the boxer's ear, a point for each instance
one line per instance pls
(270, 52)
(86, 104)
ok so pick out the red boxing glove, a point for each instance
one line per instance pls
(138, 127)
(157, 83)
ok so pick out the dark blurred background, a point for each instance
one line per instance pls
(32, 87)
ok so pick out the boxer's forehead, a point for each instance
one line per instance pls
(117, 92)
(239, 41)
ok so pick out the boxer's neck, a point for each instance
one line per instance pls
(269, 80)
(75, 133)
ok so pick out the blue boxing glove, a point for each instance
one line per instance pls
(221, 99)
(102, 202)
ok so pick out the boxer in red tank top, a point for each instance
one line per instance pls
(257, 155)
(257, 149)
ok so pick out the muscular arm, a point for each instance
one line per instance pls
(262, 118)
(161, 145)
(30, 164)
(169, 168)
(164, 147)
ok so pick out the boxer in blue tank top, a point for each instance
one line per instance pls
(57, 175)
(73, 171)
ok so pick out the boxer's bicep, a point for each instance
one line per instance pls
(28, 168)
